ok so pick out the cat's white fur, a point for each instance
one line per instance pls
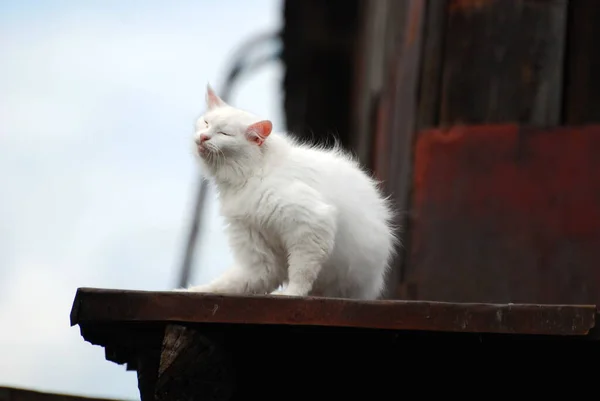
(302, 216)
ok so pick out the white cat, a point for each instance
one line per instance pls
(301, 216)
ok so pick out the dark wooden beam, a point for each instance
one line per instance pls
(193, 366)
(370, 69)
(507, 214)
(432, 64)
(319, 44)
(93, 306)
(146, 366)
(395, 107)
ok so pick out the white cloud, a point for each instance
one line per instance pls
(97, 101)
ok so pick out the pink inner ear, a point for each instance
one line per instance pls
(257, 132)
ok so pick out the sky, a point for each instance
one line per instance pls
(97, 172)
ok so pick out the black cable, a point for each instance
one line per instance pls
(242, 57)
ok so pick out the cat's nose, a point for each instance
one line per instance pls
(201, 139)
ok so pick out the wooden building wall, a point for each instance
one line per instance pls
(481, 136)
(478, 116)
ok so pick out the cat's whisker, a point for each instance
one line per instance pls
(222, 158)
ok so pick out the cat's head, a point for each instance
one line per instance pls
(225, 133)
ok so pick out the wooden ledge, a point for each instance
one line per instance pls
(103, 306)
(188, 346)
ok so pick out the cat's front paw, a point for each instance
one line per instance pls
(284, 293)
(294, 291)
(200, 288)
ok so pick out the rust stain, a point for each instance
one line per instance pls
(429, 142)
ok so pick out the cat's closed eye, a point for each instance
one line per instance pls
(223, 133)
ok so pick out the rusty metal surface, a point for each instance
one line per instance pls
(98, 306)
(506, 214)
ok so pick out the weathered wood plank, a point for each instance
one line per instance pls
(396, 110)
(507, 214)
(301, 363)
(95, 306)
(503, 62)
(582, 93)
(370, 68)
(431, 64)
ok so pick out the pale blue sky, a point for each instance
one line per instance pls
(97, 104)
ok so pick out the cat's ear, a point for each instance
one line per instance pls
(212, 99)
(259, 131)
